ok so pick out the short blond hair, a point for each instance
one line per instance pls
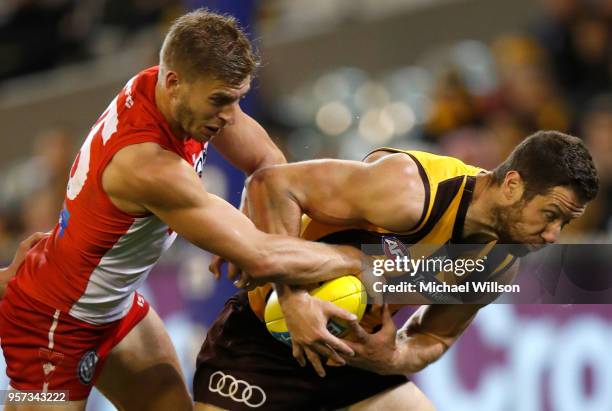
(202, 43)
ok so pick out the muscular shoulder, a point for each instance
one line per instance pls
(377, 155)
(398, 170)
(400, 184)
(145, 173)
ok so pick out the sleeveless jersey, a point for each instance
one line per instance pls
(448, 186)
(98, 255)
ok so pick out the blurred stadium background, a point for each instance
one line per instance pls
(469, 78)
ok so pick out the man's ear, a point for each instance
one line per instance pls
(513, 187)
(171, 82)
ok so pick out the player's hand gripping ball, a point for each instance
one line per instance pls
(346, 292)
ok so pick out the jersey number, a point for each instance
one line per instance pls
(108, 123)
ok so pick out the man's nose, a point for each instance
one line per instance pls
(551, 233)
(228, 113)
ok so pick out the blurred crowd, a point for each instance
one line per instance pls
(38, 35)
(32, 189)
(472, 100)
(556, 75)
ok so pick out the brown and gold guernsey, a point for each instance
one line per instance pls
(448, 191)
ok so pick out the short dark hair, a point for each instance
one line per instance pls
(203, 43)
(548, 159)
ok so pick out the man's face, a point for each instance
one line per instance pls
(536, 222)
(202, 108)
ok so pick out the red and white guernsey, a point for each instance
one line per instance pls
(97, 255)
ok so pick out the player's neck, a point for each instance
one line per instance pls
(162, 101)
(479, 223)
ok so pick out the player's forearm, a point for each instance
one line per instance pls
(428, 334)
(444, 323)
(415, 352)
(295, 261)
(424, 338)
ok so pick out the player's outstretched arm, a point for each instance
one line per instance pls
(148, 177)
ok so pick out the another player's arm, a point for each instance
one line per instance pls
(167, 186)
(9, 272)
(424, 338)
(248, 147)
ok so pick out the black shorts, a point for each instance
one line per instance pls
(242, 367)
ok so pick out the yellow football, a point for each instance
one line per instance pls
(346, 292)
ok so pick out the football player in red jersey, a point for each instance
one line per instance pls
(71, 317)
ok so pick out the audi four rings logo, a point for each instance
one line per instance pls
(238, 390)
